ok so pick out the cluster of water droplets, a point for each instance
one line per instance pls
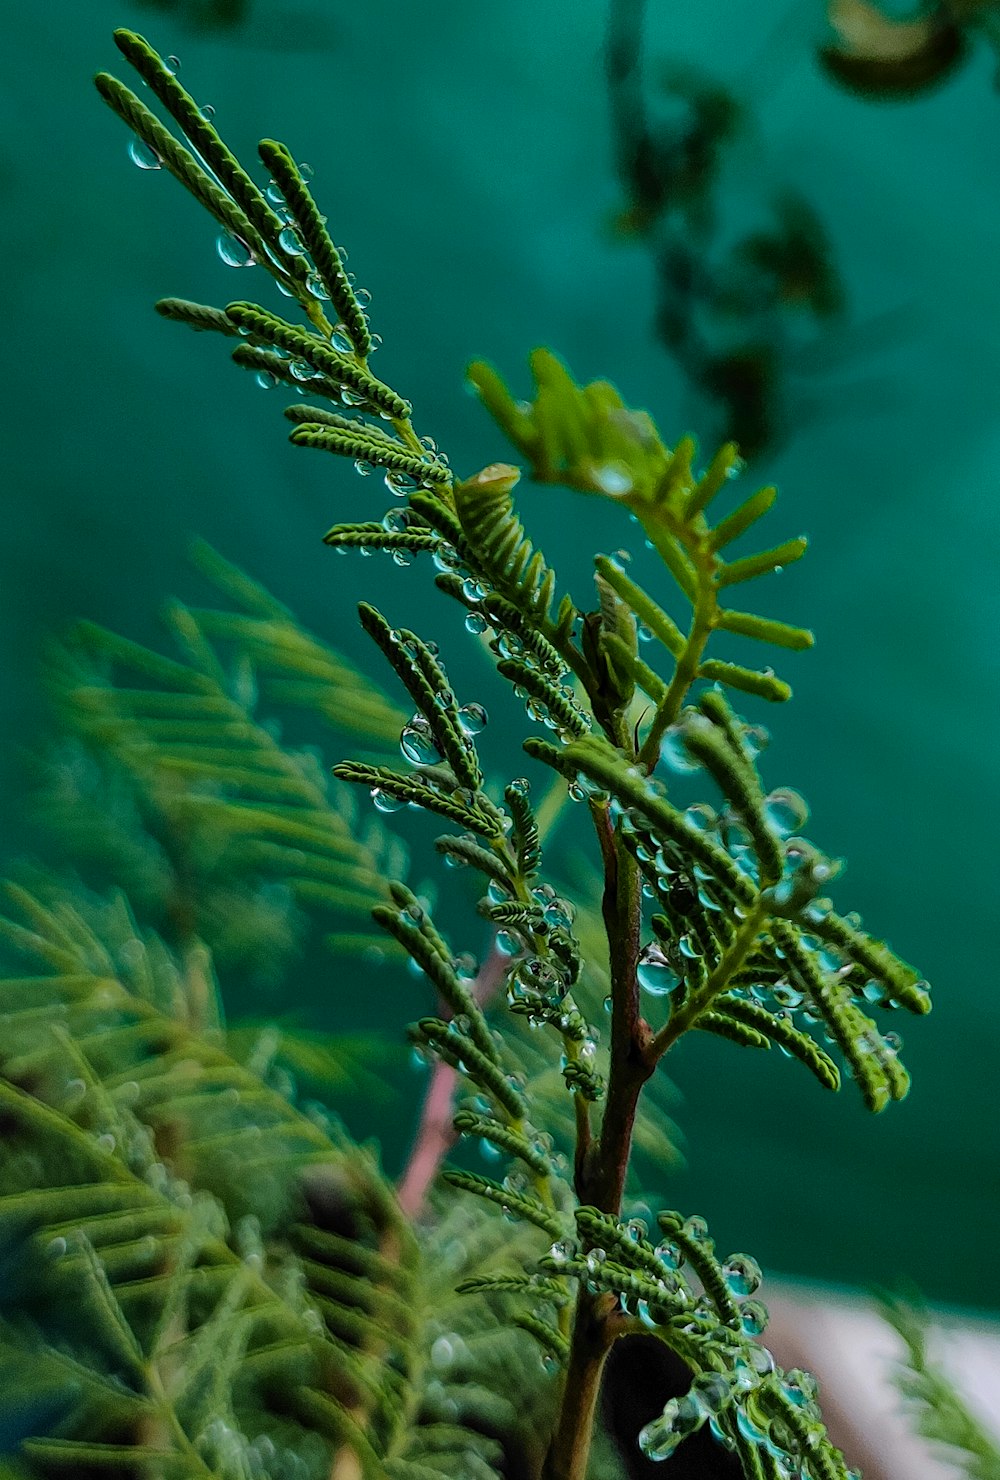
(233, 1455)
(728, 1398)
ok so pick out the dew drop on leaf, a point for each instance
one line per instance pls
(142, 156)
(473, 718)
(288, 240)
(786, 811)
(233, 251)
(417, 742)
(384, 802)
(742, 1275)
(656, 975)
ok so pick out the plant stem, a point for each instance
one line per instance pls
(570, 1449)
(603, 1165)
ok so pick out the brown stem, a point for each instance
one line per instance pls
(435, 1135)
(601, 1172)
(570, 1449)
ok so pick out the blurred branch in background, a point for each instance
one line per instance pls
(883, 57)
(732, 313)
(206, 15)
(277, 25)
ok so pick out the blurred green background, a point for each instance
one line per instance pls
(463, 153)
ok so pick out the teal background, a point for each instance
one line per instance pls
(462, 151)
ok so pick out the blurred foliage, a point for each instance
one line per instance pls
(933, 1402)
(881, 57)
(734, 315)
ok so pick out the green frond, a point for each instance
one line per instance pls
(726, 1026)
(873, 1062)
(427, 684)
(763, 629)
(181, 163)
(776, 1029)
(642, 605)
(512, 1202)
(549, 1337)
(314, 350)
(266, 223)
(763, 685)
(699, 1253)
(377, 537)
(451, 1043)
(483, 1128)
(515, 1284)
(411, 925)
(465, 852)
(545, 700)
(749, 567)
(497, 539)
(198, 316)
(514, 632)
(369, 450)
(454, 805)
(317, 240)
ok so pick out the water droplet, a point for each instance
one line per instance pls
(445, 557)
(473, 718)
(172, 64)
(273, 193)
(267, 381)
(655, 973)
(207, 112)
(674, 753)
(696, 1229)
(800, 1387)
(786, 811)
(614, 479)
(385, 802)
(417, 742)
(786, 994)
(562, 1251)
(288, 240)
(670, 1255)
(233, 251)
(596, 1258)
(520, 785)
(143, 156)
(742, 1274)
(644, 633)
(475, 622)
(621, 558)
(753, 1317)
(712, 1391)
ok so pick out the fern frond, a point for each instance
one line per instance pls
(528, 1208)
(502, 550)
(319, 243)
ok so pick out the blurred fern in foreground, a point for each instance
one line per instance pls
(252, 1298)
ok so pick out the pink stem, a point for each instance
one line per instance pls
(435, 1135)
